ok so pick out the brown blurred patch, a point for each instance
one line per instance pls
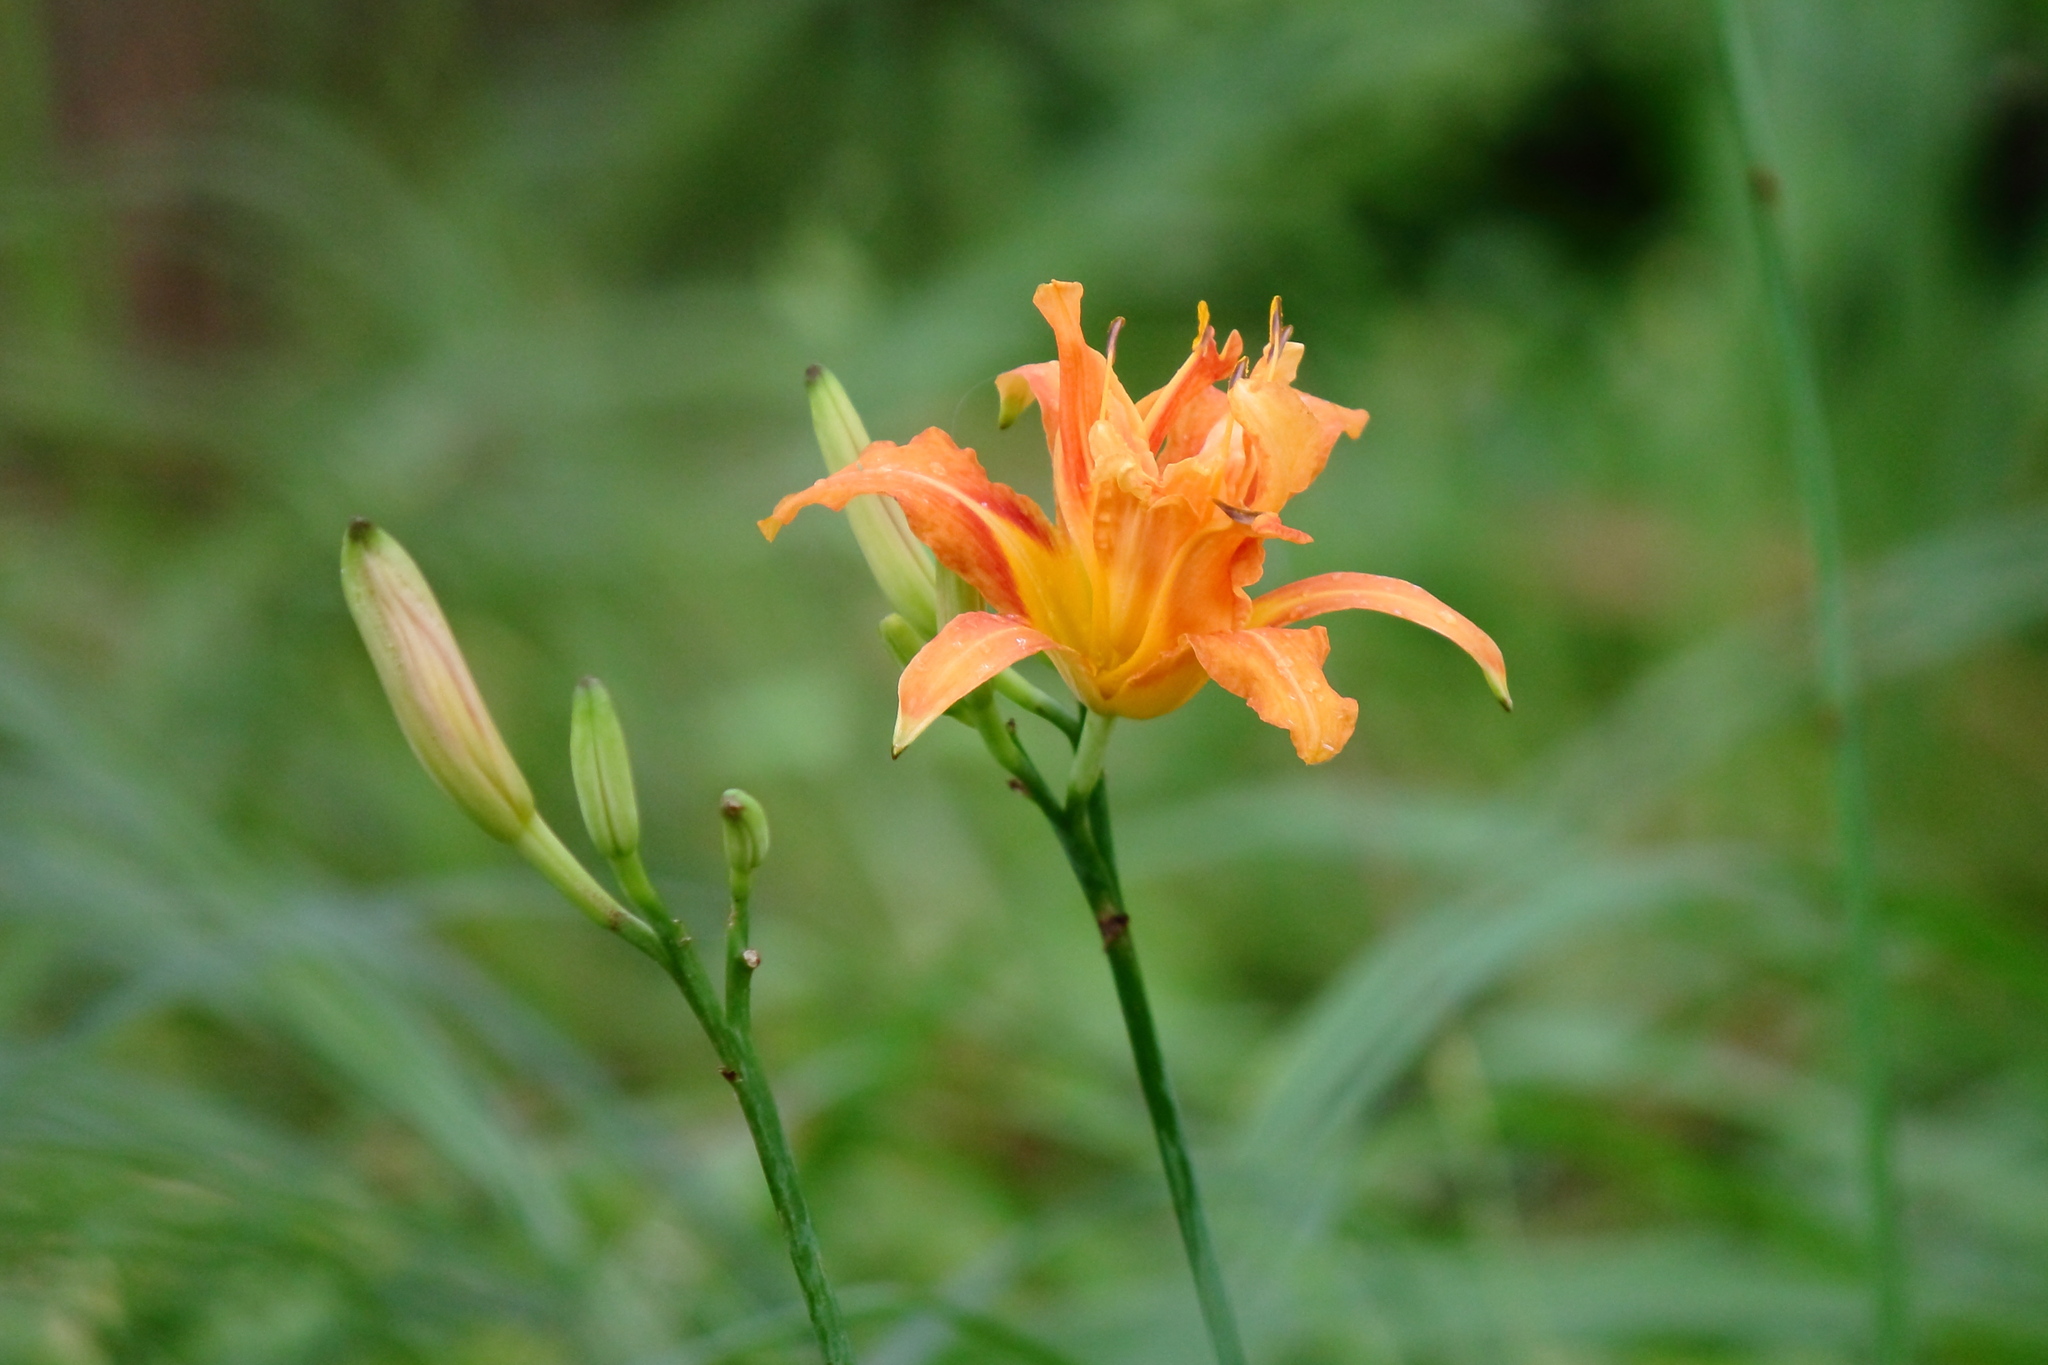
(2001, 702)
(1611, 562)
(127, 72)
(128, 68)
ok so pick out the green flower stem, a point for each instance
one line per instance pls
(731, 1037)
(1034, 699)
(1081, 824)
(1841, 692)
(1085, 774)
(541, 847)
(1166, 1126)
(740, 959)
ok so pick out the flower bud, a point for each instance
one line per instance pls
(603, 772)
(746, 831)
(903, 639)
(902, 567)
(428, 683)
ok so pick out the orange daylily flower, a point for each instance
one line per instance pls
(1136, 590)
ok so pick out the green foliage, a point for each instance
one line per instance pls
(1502, 1039)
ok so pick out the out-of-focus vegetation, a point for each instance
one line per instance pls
(1505, 1040)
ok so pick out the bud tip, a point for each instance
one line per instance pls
(746, 831)
(813, 374)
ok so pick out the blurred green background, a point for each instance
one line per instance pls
(1504, 1040)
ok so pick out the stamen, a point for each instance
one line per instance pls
(1276, 333)
(1116, 328)
(1237, 514)
(1202, 329)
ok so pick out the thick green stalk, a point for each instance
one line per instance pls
(1117, 944)
(757, 1102)
(1085, 773)
(1841, 692)
(1081, 823)
(732, 1039)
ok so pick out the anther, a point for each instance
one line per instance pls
(1237, 514)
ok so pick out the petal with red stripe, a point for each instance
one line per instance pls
(969, 650)
(990, 534)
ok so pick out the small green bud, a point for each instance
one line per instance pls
(603, 771)
(429, 685)
(746, 831)
(902, 638)
(902, 567)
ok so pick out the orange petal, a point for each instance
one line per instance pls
(987, 532)
(1180, 415)
(1288, 436)
(971, 648)
(1018, 389)
(1280, 672)
(1370, 592)
(1082, 372)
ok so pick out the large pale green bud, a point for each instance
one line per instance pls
(603, 772)
(429, 685)
(902, 567)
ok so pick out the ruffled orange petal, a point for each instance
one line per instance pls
(990, 534)
(1179, 417)
(1082, 372)
(969, 650)
(1370, 592)
(1280, 672)
(1287, 436)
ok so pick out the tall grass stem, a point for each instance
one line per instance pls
(1841, 690)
